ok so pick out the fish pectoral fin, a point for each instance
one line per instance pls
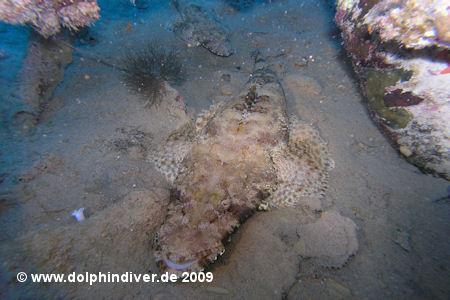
(205, 116)
(168, 157)
(305, 141)
(293, 196)
(302, 167)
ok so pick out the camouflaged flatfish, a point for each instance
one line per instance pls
(197, 27)
(237, 158)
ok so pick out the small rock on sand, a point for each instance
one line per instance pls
(331, 240)
(25, 121)
(402, 238)
(405, 151)
(226, 89)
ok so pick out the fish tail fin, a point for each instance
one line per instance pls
(259, 62)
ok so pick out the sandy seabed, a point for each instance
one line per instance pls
(89, 151)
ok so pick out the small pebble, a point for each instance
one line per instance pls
(405, 151)
(226, 90)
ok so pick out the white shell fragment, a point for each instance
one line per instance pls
(78, 214)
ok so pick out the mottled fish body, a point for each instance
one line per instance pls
(245, 154)
(198, 28)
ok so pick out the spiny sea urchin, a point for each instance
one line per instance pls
(146, 70)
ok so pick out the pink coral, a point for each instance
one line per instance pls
(415, 24)
(49, 16)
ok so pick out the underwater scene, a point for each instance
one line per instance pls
(225, 149)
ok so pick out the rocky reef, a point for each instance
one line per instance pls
(400, 51)
(42, 71)
(48, 17)
(49, 49)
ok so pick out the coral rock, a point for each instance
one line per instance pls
(413, 23)
(49, 16)
(400, 53)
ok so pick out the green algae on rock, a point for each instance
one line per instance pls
(375, 87)
(399, 50)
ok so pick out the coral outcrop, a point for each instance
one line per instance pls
(42, 71)
(401, 53)
(414, 24)
(49, 50)
(48, 16)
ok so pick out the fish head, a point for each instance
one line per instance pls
(188, 251)
(192, 245)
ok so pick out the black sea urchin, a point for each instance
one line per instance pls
(146, 70)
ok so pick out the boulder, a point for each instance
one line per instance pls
(400, 51)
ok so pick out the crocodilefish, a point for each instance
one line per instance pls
(236, 158)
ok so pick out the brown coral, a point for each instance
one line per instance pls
(48, 16)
